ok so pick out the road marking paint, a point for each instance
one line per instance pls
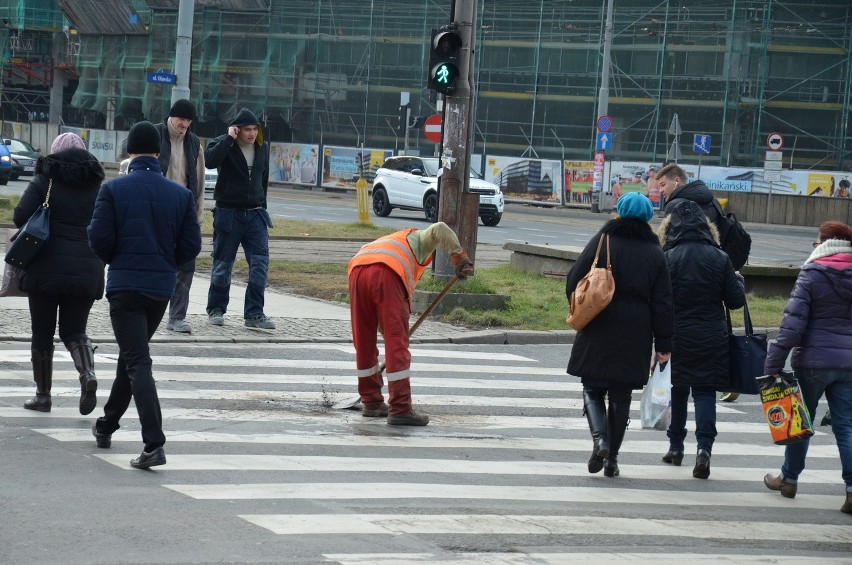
(333, 396)
(584, 495)
(495, 524)
(225, 462)
(520, 558)
(437, 440)
(349, 417)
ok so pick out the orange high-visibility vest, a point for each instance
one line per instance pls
(394, 251)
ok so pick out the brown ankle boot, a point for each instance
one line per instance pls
(42, 360)
(847, 506)
(787, 490)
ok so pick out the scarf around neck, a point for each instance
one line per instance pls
(829, 247)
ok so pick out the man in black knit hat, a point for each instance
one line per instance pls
(144, 226)
(182, 161)
(240, 217)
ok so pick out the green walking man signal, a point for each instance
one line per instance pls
(444, 59)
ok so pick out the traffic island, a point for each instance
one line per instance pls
(556, 260)
(422, 300)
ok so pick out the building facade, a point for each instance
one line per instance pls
(333, 72)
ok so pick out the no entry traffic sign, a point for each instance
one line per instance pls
(433, 127)
(774, 141)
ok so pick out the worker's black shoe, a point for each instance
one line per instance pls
(410, 419)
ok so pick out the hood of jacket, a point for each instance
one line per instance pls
(687, 222)
(73, 167)
(839, 279)
(246, 117)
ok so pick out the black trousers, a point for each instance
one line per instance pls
(73, 313)
(135, 318)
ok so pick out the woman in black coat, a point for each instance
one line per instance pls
(66, 277)
(612, 354)
(703, 282)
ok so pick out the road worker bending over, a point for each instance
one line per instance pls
(382, 278)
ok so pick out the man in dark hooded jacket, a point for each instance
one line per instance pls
(240, 217)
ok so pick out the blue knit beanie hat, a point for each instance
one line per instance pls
(635, 205)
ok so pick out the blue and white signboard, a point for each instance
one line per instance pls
(701, 143)
(162, 77)
(604, 141)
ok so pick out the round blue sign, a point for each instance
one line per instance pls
(604, 124)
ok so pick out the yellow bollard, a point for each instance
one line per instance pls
(363, 202)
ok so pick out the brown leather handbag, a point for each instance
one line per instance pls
(593, 293)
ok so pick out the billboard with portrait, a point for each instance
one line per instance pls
(294, 163)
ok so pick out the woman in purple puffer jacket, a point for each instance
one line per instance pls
(817, 326)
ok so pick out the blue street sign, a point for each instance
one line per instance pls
(701, 143)
(162, 78)
(604, 141)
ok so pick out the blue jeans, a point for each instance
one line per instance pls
(704, 399)
(837, 386)
(232, 228)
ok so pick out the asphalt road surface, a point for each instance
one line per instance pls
(261, 470)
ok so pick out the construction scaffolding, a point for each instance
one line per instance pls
(332, 71)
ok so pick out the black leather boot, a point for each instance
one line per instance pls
(595, 409)
(43, 376)
(618, 417)
(83, 355)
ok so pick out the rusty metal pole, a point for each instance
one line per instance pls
(458, 208)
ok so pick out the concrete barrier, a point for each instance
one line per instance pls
(557, 260)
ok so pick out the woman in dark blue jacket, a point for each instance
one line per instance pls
(817, 327)
(66, 277)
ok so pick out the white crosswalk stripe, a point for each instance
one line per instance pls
(503, 458)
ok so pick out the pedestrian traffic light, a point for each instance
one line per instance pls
(444, 59)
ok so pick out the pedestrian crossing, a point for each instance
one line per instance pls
(498, 476)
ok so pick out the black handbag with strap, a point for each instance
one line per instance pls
(747, 356)
(32, 236)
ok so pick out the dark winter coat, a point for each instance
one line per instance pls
(817, 322)
(235, 187)
(703, 282)
(616, 347)
(695, 191)
(144, 226)
(66, 264)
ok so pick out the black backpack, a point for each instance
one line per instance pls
(735, 240)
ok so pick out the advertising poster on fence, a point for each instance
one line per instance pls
(343, 166)
(294, 162)
(528, 179)
(102, 144)
(578, 181)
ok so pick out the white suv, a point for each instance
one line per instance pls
(411, 183)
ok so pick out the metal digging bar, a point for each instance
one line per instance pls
(351, 403)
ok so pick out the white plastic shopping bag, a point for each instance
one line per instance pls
(655, 406)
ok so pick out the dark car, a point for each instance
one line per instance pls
(6, 164)
(17, 168)
(25, 154)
